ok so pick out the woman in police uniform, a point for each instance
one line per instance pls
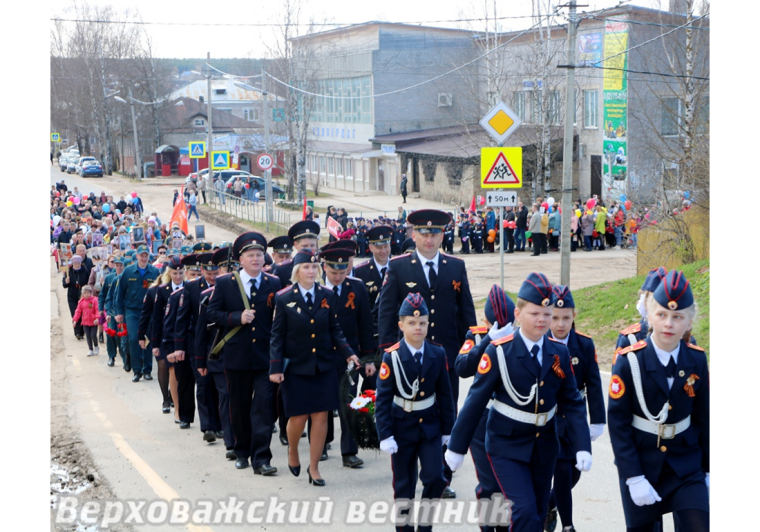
(305, 347)
(659, 417)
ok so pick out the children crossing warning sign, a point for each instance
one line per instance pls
(501, 167)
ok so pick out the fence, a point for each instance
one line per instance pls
(253, 211)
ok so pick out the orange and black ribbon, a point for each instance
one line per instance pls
(146, 284)
(324, 304)
(269, 300)
(350, 303)
(689, 386)
(558, 370)
(456, 285)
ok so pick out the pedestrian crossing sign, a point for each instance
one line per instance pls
(220, 160)
(55, 137)
(501, 167)
(197, 150)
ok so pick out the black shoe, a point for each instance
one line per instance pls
(328, 446)
(148, 377)
(209, 436)
(315, 481)
(136, 377)
(551, 520)
(165, 408)
(110, 363)
(509, 252)
(283, 438)
(352, 461)
(335, 413)
(172, 404)
(324, 456)
(127, 367)
(100, 338)
(449, 493)
(241, 463)
(184, 425)
(274, 428)
(265, 469)
(230, 455)
(219, 434)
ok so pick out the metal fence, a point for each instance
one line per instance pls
(253, 211)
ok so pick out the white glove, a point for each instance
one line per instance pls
(642, 492)
(453, 459)
(497, 334)
(707, 481)
(445, 440)
(583, 460)
(389, 445)
(596, 430)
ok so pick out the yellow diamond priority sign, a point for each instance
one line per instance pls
(500, 122)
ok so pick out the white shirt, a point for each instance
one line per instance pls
(329, 286)
(413, 350)
(247, 281)
(530, 343)
(379, 267)
(664, 358)
(425, 267)
(310, 291)
(563, 341)
(175, 287)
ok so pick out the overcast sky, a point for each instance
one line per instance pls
(225, 40)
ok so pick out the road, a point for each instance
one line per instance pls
(144, 456)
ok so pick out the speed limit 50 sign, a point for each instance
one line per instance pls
(265, 161)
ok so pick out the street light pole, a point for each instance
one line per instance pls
(265, 110)
(210, 132)
(137, 160)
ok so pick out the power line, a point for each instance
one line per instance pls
(650, 73)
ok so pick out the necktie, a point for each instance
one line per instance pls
(308, 299)
(335, 291)
(382, 273)
(431, 274)
(670, 369)
(418, 358)
(534, 351)
(253, 288)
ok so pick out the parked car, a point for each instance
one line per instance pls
(249, 178)
(81, 160)
(91, 168)
(64, 160)
(196, 176)
(70, 162)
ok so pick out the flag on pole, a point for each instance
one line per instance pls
(304, 207)
(472, 205)
(179, 214)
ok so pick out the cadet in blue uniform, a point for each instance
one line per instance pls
(133, 284)
(105, 302)
(477, 234)
(305, 235)
(354, 318)
(529, 375)
(243, 303)
(500, 316)
(414, 408)
(448, 238)
(638, 331)
(442, 281)
(659, 417)
(464, 234)
(586, 370)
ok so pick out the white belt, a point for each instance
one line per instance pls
(583, 393)
(490, 404)
(411, 406)
(666, 432)
(538, 420)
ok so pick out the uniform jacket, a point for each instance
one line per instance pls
(639, 453)
(514, 439)
(87, 309)
(132, 288)
(249, 348)
(104, 301)
(146, 314)
(393, 420)
(369, 273)
(450, 302)
(284, 271)
(187, 316)
(157, 333)
(640, 331)
(355, 317)
(475, 343)
(170, 319)
(204, 336)
(309, 339)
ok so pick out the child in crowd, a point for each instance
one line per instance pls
(87, 310)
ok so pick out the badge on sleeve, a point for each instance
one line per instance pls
(466, 347)
(485, 364)
(617, 387)
(385, 371)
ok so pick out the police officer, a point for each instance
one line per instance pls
(586, 370)
(243, 303)
(659, 417)
(105, 302)
(130, 293)
(408, 246)
(529, 375)
(399, 235)
(282, 247)
(373, 271)
(441, 280)
(305, 235)
(144, 333)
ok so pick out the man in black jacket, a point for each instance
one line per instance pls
(522, 226)
(509, 233)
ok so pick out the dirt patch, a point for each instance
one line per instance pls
(225, 221)
(704, 269)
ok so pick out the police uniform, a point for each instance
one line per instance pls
(527, 385)
(371, 272)
(182, 370)
(280, 244)
(586, 371)
(361, 238)
(245, 355)
(129, 297)
(477, 235)
(659, 421)
(414, 412)
(408, 246)
(299, 230)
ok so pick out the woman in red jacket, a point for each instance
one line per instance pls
(349, 233)
(87, 309)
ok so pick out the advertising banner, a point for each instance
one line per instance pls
(615, 163)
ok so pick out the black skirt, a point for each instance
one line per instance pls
(308, 394)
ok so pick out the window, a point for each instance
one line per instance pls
(672, 111)
(252, 115)
(313, 163)
(349, 168)
(518, 103)
(322, 167)
(590, 109)
(554, 107)
(330, 166)
(199, 122)
(338, 166)
(353, 105)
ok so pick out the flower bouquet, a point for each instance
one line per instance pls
(358, 409)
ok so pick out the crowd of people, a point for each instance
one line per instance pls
(260, 337)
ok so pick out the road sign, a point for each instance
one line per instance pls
(197, 150)
(265, 161)
(501, 198)
(500, 122)
(278, 115)
(55, 137)
(220, 160)
(501, 167)
(237, 149)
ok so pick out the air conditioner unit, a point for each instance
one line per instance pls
(444, 99)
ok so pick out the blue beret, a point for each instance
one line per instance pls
(674, 292)
(536, 289)
(561, 297)
(654, 278)
(174, 263)
(499, 307)
(304, 256)
(413, 305)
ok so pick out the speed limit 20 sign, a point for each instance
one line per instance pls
(265, 161)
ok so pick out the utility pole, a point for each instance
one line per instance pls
(567, 154)
(134, 131)
(265, 110)
(208, 112)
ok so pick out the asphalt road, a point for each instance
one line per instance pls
(144, 455)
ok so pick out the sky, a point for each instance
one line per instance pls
(222, 39)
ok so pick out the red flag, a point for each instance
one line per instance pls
(304, 207)
(333, 227)
(472, 205)
(179, 214)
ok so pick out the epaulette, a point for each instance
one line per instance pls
(584, 335)
(193, 280)
(479, 329)
(209, 289)
(632, 329)
(163, 285)
(641, 344)
(285, 289)
(271, 275)
(503, 340)
(223, 275)
(393, 347)
(696, 347)
(398, 257)
(178, 290)
(362, 265)
(285, 262)
(555, 340)
(451, 256)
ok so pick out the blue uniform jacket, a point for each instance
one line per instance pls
(369, 273)
(640, 331)
(104, 301)
(170, 319)
(475, 344)
(355, 317)
(187, 316)
(146, 314)
(450, 302)
(391, 419)
(249, 348)
(514, 439)
(637, 452)
(204, 335)
(284, 271)
(157, 333)
(132, 288)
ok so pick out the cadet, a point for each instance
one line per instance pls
(414, 409)
(442, 281)
(586, 371)
(354, 318)
(243, 303)
(105, 301)
(133, 284)
(464, 234)
(500, 316)
(659, 417)
(304, 235)
(476, 230)
(638, 331)
(521, 438)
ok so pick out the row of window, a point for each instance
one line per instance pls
(529, 107)
(354, 105)
(330, 165)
